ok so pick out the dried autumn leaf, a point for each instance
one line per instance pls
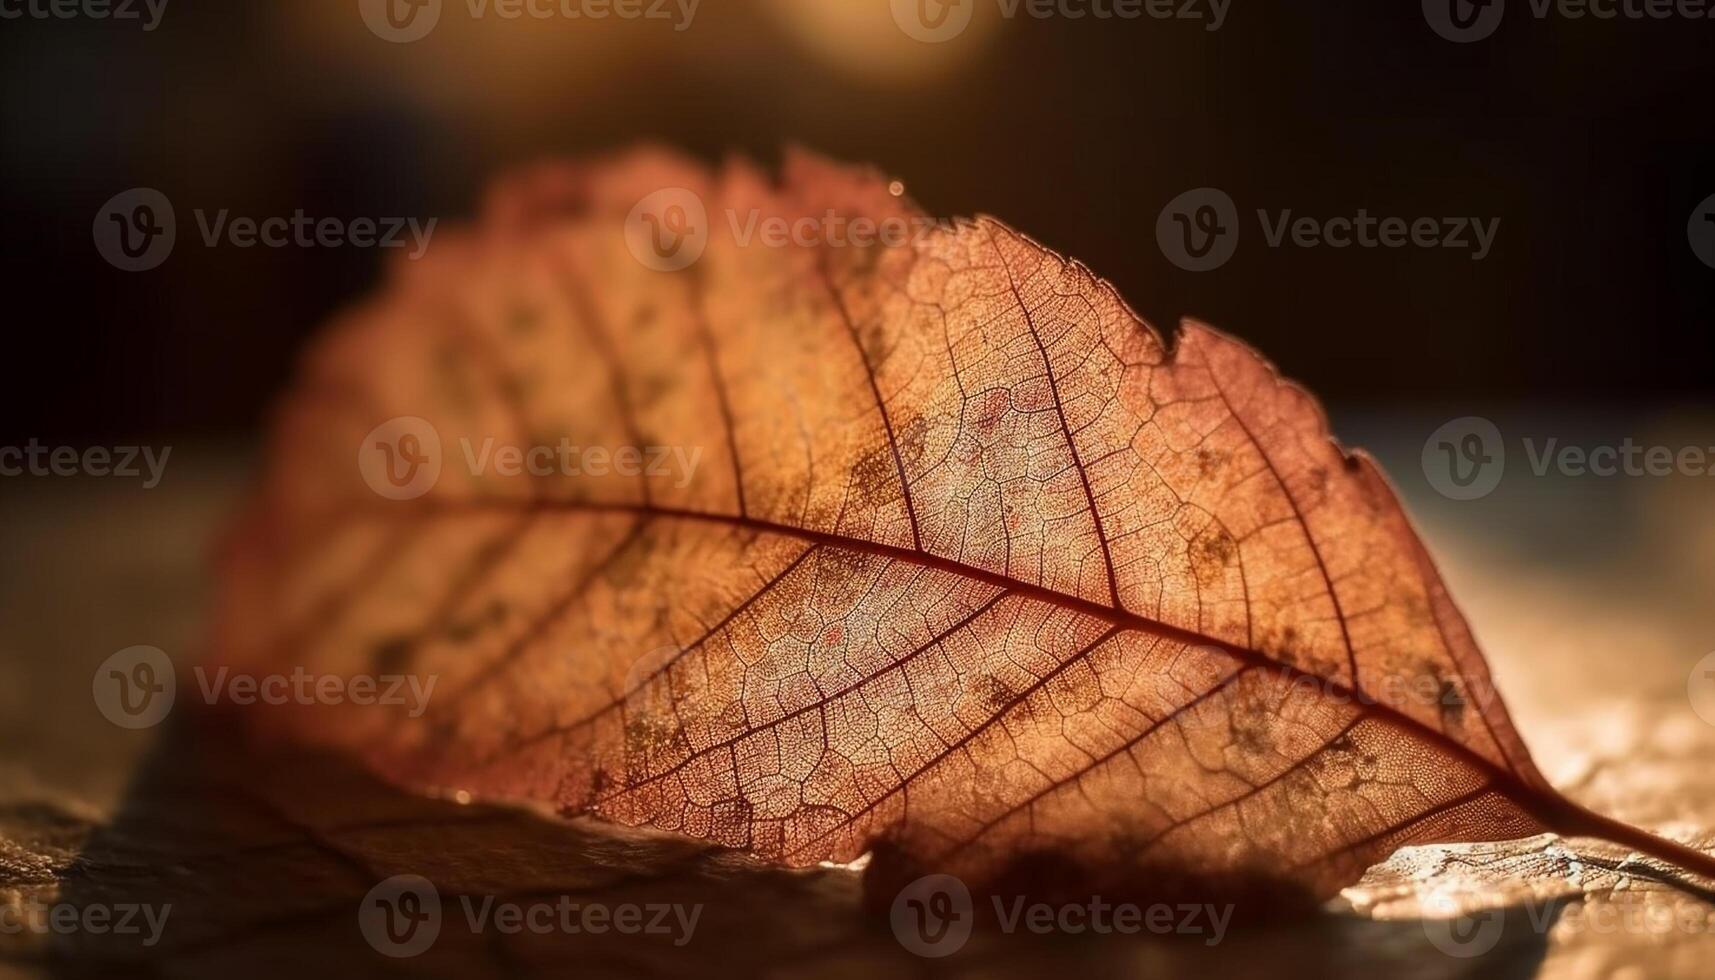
(980, 572)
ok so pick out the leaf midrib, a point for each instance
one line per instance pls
(1503, 780)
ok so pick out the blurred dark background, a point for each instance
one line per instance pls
(1591, 322)
(1591, 140)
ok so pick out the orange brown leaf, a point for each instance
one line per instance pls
(975, 568)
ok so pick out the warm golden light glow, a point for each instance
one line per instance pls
(875, 39)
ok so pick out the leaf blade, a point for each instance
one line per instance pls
(969, 419)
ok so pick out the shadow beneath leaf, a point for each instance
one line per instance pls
(233, 858)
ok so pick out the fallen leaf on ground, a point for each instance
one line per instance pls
(931, 550)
